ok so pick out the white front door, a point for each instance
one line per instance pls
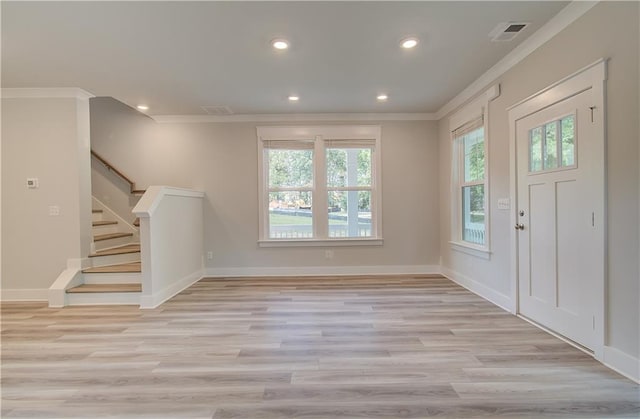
(559, 248)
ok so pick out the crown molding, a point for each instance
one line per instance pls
(310, 117)
(550, 29)
(45, 92)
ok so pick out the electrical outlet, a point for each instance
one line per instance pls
(54, 210)
(210, 255)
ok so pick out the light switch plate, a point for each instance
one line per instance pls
(504, 203)
(54, 210)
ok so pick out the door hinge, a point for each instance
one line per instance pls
(594, 322)
(592, 108)
(593, 219)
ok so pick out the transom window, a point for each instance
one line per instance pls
(552, 146)
(323, 186)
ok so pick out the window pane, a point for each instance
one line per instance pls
(568, 141)
(473, 145)
(290, 215)
(350, 214)
(290, 168)
(535, 149)
(473, 223)
(551, 146)
(348, 167)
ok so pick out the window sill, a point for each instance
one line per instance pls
(470, 249)
(320, 243)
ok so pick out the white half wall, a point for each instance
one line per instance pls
(171, 242)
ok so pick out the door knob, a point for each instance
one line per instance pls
(519, 226)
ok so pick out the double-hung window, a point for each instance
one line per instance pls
(469, 175)
(471, 182)
(319, 185)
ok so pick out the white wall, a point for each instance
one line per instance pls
(221, 160)
(45, 138)
(608, 30)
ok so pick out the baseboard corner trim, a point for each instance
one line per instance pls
(499, 299)
(157, 298)
(622, 363)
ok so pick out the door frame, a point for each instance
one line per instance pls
(593, 77)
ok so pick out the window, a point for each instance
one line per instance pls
(471, 181)
(319, 184)
(552, 145)
(469, 176)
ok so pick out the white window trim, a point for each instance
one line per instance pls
(478, 108)
(320, 134)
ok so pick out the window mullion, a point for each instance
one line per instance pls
(320, 200)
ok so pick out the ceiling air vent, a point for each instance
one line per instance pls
(506, 31)
(218, 110)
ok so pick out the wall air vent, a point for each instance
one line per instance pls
(506, 31)
(218, 110)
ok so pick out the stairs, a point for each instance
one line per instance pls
(115, 274)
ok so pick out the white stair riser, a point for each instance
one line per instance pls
(115, 259)
(104, 298)
(113, 278)
(121, 241)
(105, 229)
(96, 216)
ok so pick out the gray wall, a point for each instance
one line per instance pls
(48, 139)
(608, 30)
(221, 160)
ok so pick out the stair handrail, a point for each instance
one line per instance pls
(109, 166)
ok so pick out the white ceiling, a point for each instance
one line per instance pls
(179, 56)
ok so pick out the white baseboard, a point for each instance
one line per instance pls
(622, 363)
(30, 294)
(157, 298)
(231, 272)
(501, 300)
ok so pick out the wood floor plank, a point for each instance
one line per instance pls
(321, 347)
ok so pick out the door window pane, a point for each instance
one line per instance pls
(568, 141)
(473, 216)
(535, 149)
(551, 146)
(349, 213)
(290, 215)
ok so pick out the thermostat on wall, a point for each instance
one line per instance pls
(32, 183)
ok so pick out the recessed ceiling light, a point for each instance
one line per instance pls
(280, 44)
(382, 98)
(142, 107)
(409, 43)
(294, 98)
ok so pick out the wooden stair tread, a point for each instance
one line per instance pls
(96, 211)
(95, 288)
(122, 268)
(103, 223)
(136, 222)
(130, 248)
(101, 237)
(138, 191)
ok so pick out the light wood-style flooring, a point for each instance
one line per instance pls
(378, 347)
